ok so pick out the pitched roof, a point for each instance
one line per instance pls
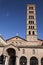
(17, 37)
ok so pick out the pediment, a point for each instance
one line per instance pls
(17, 41)
(15, 38)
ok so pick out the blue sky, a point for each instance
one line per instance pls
(13, 17)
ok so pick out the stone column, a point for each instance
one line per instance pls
(7, 60)
(39, 62)
(28, 62)
(17, 60)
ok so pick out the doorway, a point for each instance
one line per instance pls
(12, 54)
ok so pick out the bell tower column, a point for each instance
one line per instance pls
(31, 31)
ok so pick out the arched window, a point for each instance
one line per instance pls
(31, 12)
(23, 51)
(29, 32)
(30, 7)
(31, 22)
(31, 17)
(33, 32)
(23, 60)
(33, 27)
(29, 27)
(42, 61)
(33, 61)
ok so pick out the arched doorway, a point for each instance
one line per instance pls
(23, 60)
(1, 59)
(33, 61)
(12, 54)
(42, 61)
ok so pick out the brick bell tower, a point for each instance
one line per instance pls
(31, 31)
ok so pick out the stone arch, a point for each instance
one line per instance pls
(10, 46)
(41, 61)
(23, 60)
(33, 61)
(12, 53)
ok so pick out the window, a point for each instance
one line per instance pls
(29, 32)
(31, 17)
(16, 38)
(23, 51)
(33, 61)
(31, 27)
(33, 33)
(31, 22)
(31, 11)
(23, 60)
(33, 51)
(30, 7)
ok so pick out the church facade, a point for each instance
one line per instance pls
(19, 51)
